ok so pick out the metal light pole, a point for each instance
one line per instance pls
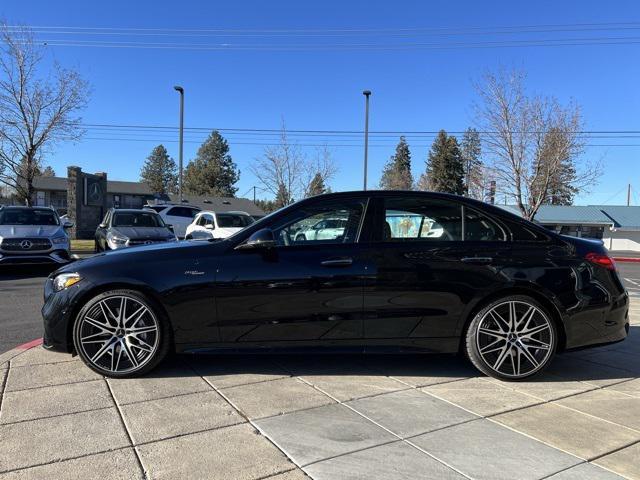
(366, 93)
(181, 90)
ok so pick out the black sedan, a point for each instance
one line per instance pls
(123, 228)
(405, 272)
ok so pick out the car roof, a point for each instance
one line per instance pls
(132, 210)
(24, 207)
(169, 205)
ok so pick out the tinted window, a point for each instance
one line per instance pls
(28, 217)
(520, 232)
(478, 227)
(182, 212)
(408, 219)
(157, 208)
(137, 219)
(233, 220)
(298, 227)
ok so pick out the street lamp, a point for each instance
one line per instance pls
(181, 90)
(366, 93)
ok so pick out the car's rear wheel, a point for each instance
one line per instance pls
(120, 333)
(512, 338)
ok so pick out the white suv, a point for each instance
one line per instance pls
(207, 225)
(178, 216)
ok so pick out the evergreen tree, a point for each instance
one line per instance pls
(445, 167)
(397, 172)
(283, 197)
(159, 171)
(470, 149)
(48, 172)
(317, 186)
(267, 206)
(213, 171)
(556, 171)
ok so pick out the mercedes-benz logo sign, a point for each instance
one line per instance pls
(26, 244)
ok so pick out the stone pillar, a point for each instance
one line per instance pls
(74, 198)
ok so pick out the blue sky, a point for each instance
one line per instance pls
(414, 89)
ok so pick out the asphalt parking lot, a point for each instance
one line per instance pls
(328, 417)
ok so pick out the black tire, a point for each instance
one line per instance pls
(480, 350)
(162, 336)
(96, 246)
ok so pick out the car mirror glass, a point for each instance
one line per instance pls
(67, 224)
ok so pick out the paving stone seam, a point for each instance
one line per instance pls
(577, 465)
(77, 457)
(3, 387)
(272, 475)
(180, 435)
(384, 428)
(53, 384)
(596, 417)
(176, 395)
(126, 429)
(44, 363)
(15, 422)
(615, 450)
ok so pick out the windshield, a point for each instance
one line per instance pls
(137, 219)
(28, 217)
(231, 220)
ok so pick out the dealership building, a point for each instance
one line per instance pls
(85, 198)
(618, 226)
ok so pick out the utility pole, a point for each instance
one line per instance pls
(366, 93)
(254, 194)
(181, 91)
(628, 195)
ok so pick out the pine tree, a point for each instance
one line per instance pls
(470, 149)
(317, 186)
(213, 171)
(283, 197)
(159, 171)
(445, 168)
(397, 172)
(554, 172)
(48, 172)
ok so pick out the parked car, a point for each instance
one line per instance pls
(327, 229)
(130, 227)
(504, 291)
(180, 216)
(33, 235)
(208, 225)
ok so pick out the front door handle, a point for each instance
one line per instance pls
(477, 260)
(337, 262)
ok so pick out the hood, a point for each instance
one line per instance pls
(143, 233)
(13, 231)
(226, 232)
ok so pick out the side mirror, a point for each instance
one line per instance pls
(102, 225)
(170, 227)
(261, 239)
(209, 226)
(67, 224)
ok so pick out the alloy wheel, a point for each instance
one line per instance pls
(119, 334)
(515, 339)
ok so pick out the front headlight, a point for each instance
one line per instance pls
(65, 280)
(116, 240)
(59, 240)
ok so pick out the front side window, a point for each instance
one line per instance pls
(322, 223)
(28, 217)
(137, 219)
(422, 219)
(233, 220)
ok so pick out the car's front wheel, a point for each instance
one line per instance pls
(512, 338)
(120, 333)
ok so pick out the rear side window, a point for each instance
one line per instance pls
(425, 219)
(520, 232)
(157, 208)
(480, 228)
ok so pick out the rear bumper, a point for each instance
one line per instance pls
(594, 327)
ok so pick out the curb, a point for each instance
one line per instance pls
(627, 259)
(14, 352)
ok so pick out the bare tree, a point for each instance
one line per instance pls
(531, 141)
(286, 172)
(318, 172)
(37, 109)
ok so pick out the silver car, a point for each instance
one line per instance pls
(33, 235)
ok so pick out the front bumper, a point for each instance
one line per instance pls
(57, 315)
(58, 257)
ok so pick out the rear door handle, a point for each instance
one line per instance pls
(477, 260)
(337, 262)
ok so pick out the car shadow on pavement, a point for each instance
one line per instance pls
(21, 272)
(602, 366)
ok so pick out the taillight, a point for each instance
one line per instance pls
(603, 260)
